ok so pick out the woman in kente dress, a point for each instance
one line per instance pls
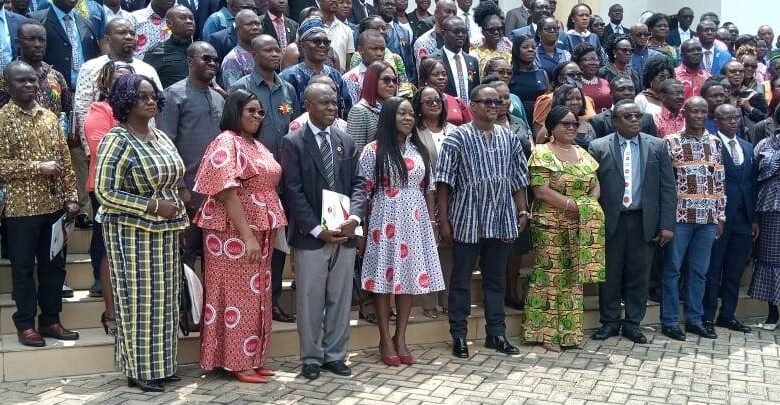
(567, 231)
(239, 217)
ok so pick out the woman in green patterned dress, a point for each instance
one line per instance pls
(567, 230)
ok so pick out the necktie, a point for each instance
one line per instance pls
(461, 86)
(734, 154)
(708, 60)
(618, 29)
(627, 174)
(280, 31)
(327, 159)
(466, 19)
(74, 49)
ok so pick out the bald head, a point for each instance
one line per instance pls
(322, 104)
(267, 53)
(181, 22)
(695, 111)
(117, 23)
(728, 119)
(444, 9)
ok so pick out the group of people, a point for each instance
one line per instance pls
(645, 159)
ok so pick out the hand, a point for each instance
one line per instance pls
(252, 250)
(213, 84)
(754, 231)
(186, 198)
(165, 208)
(664, 236)
(361, 246)
(50, 168)
(348, 228)
(719, 230)
(744, 103)
(522, 222)
(334, 236)
(71, 208)
(445, 233)
(573, 211)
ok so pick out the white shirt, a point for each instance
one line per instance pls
(617, 29)
(110, 15)
(342, 41)
(454, 70)
(684, 35)
(740, 156)
(475, 32)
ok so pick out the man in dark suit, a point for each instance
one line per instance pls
(621, 88)
(517, 17)
(539, 10)
(730, 251)
(223, 41)
(60, 52)
(683, 31)
(713, 58)
(314, 158)
(287, 28)
(201, 10)
(296, 6)
(10, 50)
(615, 25)
(638, 196)
(360, 10)
(462, 68)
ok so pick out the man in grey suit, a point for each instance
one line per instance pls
(314, 158)
(639, 199)
(517, 17)
(621, 88)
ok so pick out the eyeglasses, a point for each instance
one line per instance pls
(489, 102)
(209, 59)
(574, 75)
(494, 30)
(430, 102)
(258, 111)
(750, 66)
(319, 42)
(643, 34)
(147, 98)
(570, 124)
(458, 31)
(551, 30)
(624, 50)
(388, 80)
(502, 72)
(632, 116)
(730, 118)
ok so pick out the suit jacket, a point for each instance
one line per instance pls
(673, 38)
(290, 26)
(740, 188)
(298, 5)
(659, 194)
(304, 179)
(204, 10)
(472, 71)
(13, 26)
(719, 59)
(602, 124)
(516, 18)
(58, 48)
(358, 13)
(609, 31)
(223, 41)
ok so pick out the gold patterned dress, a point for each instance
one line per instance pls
(569, 252)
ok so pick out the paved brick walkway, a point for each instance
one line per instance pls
(734, 369)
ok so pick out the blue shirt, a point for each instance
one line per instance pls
(638, 60)
(484, 177)
(547, 62)
(636, 170)
(5, 37)
(76, 64)
(298, 76)
(217, 22)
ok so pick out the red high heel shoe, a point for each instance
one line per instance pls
(406, 359)
(249, 378)
(392, 360)
(265, 372)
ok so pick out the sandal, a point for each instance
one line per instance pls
(431, 313)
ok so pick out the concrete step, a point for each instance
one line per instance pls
(78, 268)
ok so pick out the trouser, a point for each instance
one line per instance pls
(97, 245)
(277, 273)
(492, 255)
(323, 279)
(31, 241)
(694, 243)
(628, 261)
(727, 263)
(80, 162)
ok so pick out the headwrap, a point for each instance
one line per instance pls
(310, 27)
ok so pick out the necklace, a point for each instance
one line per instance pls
(144, 137)
(557, 145)
(594, 80)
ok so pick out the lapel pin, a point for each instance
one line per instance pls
(339, 149)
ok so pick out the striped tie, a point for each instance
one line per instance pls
(74, 45)
(327, 160)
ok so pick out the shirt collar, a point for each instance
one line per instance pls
(275, 18)
(60, 13)
(316, 130)
(451, 54)
(36, 109)
(622, 140)
(2, 13)
(682, 31)
(258, 79)
(727, 139)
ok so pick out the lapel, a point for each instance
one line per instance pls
(644, 149)
(617, 157)
(290, 33)
(54, 23)
(310, 144)
(85, 31)
(268, 27)
(450, 78)
(728, 161)
(337, 145)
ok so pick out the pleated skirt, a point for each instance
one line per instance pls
(145, 276)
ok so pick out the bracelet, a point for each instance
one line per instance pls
(156, 205)
(523, 213)
(567, 205)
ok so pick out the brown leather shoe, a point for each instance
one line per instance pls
(58, 331)
(30, 337)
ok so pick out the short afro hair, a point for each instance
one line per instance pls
(611, 43)
(655, 19)
(654, 66)
(486, 9)
(124, 95)
(581, 50)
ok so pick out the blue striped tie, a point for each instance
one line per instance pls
(327, 160)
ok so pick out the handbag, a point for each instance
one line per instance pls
(190, 301)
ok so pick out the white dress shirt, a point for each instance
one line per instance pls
(475, 32)
(684, 35)
(454, 70)
(739, 156)
(617, 29)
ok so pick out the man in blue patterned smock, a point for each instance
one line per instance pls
(239, 61)
(313, 40)
(482, 175)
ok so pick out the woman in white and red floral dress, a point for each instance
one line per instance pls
(400, 258)
(239, 218)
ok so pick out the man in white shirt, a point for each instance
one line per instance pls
(615, 25)
(683, 32)
(113, 9)
(462, 68)
(465, 13)
(341, 36)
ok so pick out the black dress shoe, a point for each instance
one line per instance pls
(673, 332)
(605, 332)
(58, 331)
(311, 371)
(633, 334)
(709, 325)
(500, 344)
(170, 379)
(701, 331)
(280, 316)
(145, 386)
(337, 367)
(733, 324)
(460, 348)
(654, 295)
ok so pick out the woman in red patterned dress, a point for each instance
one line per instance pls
(239, 218)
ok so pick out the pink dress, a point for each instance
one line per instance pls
(236, 324)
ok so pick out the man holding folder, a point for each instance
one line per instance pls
(315, 158)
